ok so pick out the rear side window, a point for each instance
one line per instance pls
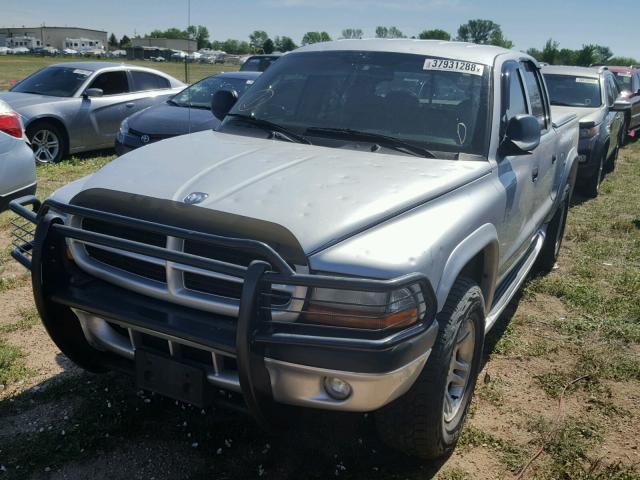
(534, 89)
(148, 81)
(111, 83)
(611, 90)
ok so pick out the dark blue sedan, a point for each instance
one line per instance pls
(186, 112)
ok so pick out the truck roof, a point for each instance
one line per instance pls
(470, 52)
(588, 72)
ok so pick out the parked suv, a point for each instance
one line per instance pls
(17, 165)
(629, 82)
(364, 215)
(591, 94)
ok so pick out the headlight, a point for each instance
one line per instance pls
(124, 127)
(370, 310)
(588, 132)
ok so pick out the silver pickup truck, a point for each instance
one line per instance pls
(361, 218)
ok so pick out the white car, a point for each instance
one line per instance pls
(17, 165)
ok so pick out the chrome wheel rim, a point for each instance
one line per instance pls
(459, 369)
(46, 145)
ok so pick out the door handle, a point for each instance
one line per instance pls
(534, 174)
(129, 105)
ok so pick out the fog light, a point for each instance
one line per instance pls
(336, 388)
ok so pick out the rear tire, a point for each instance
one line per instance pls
(48, 141)
(553, 240)
(426, 421)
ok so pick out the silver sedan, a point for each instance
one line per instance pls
(17, 168)
(77, 107)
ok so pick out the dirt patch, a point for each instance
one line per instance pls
(147, 460)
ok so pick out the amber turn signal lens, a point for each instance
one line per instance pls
(338, 317)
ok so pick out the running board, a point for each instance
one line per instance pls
(518, 278)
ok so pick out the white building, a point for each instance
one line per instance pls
(25, 41)
(83, 44)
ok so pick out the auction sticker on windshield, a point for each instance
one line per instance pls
(457, 66)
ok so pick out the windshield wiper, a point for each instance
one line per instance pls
(283, 133)
(384, 140)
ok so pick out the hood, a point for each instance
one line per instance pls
(20, 101)
(320, 194)
(595, 115)
(166, 119)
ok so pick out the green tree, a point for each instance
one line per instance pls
(268, 46)
(622, 61)
(257, 39)
(352, 33)
(113, 41)
(601, 54)
(200, 34)
(585, 56)
(125, 42)
(566, 56)
(391, 32)
(550, 52)
(315, 37)
(485, 32)
(169, 33)
(284, 44)
(435, 34)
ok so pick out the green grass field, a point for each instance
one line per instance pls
(17, 67)
(559, 392)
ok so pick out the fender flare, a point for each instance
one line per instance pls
(484, 239)
(568, 177)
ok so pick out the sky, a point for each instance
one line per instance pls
(527, 23)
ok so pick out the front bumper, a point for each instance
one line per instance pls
(264, 360)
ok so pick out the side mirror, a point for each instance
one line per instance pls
(222, 101)
(523, 133)
(621, 106)
(93, 92)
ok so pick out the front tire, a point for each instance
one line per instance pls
(591, 185)
(47, 141)
(426, 422)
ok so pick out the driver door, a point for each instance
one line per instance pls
(517, 227)
(101, 116)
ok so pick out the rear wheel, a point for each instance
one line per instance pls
(553, 239)
(48, 142)
(426, 422)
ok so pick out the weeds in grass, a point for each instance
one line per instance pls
(453, 474)
(29, 317)
(9, 283)
(12, 367)
(511, 455)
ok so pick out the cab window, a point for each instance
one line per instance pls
(111, 83)
(536, 96)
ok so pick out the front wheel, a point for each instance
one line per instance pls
(426, 422)
(48, 142)
(591, 185)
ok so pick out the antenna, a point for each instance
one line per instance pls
(186, 64)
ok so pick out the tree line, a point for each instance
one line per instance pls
(480, 31)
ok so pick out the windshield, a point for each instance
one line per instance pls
(54, 81)
(257, 64)
(572, 91)
(624, 80)
(199, 94)
(434, 104)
